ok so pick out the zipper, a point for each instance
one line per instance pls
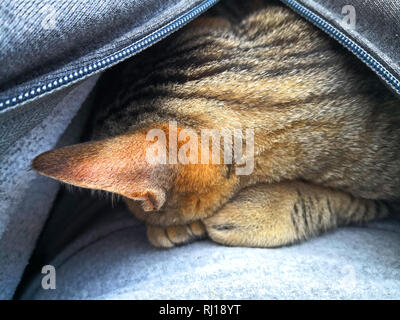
(102, 64)
(370, 61)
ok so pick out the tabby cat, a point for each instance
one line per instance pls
(326, 132)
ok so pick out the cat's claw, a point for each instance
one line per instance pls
(167, 237)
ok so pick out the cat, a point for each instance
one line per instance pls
(326, 132)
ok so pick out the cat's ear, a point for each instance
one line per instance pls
(117, 165)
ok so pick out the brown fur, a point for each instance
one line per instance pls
(327, 132)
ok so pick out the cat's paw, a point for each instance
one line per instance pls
(167, 237)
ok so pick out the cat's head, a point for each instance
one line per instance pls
(158, 192)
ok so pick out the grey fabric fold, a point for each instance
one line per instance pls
(26, 197)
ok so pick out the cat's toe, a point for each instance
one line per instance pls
(167, 237)
(222, 231)
(178, 234)
(197, 228)
(158, 237)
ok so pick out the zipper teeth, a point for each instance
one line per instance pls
(347, 42)
(89, 69)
